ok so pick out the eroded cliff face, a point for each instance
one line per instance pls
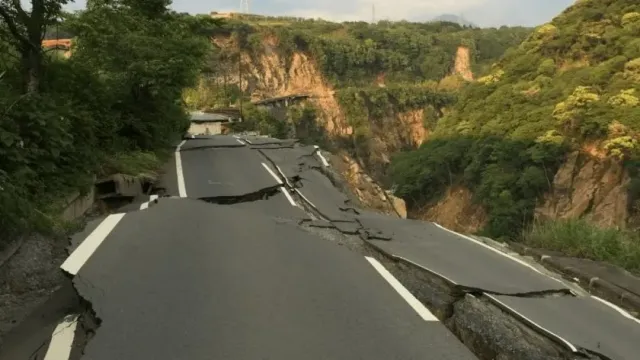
(455, 211)
(462, 65)
(586, 185)
(589, 187)
(270, 75)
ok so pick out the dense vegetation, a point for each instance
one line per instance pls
(356, 53)
(573, 81)
(118, 95)
(410, 59)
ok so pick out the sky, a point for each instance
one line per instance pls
(485, 13)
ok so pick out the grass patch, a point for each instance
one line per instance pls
(134, 163)
(579, 238)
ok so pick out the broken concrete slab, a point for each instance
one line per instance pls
(276, 205)
(217, 172)
(184, 254)
(292, 161)
(119, 185)
(371, 229)
(496, 334)
(324, 197)
(213, 141)
(347, 227)
(266, 141)
(458, 259)
(606, 280)
(584, 322)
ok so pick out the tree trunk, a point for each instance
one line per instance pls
(31, 70)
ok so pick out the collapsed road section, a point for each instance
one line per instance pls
(251, 252)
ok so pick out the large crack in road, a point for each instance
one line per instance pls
(478, 317)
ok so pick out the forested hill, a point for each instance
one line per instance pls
(365, 78)
(356, 53)
(573, 83)
(113, 106)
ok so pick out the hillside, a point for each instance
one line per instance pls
(454, 19)
(364, 79)
(566, 98)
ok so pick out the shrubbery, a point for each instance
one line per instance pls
(63, 120)
(573, 81)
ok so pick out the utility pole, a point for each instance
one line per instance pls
(244, 6)
(373, 13)
(240, 82)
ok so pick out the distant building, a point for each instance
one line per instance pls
(208, 123)
(221, 15)
(60, 44)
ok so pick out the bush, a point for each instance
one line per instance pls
(579, 238)
(114, 106)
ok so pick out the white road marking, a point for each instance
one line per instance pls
(424, 313)
(533, 323)
(249, 141)
(240, 141)
(182, 190)
(272, 173)
(83, 252)
(145, 204)
(305, 198)
(617, 308)
(521, 262)
(62, 339)
(284, 176)
(322, 158)
(289, 197)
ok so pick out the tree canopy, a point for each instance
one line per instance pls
(65, 120)
(355, 53)
(573, 81)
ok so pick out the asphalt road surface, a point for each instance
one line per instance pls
(224, 266)
(232, 283)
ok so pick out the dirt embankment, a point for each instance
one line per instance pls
(462, 65)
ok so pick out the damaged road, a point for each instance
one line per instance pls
(249, 250)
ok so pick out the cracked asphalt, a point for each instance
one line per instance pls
(250, 252)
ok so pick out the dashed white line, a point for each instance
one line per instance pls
(288, 196)
(284, 176)
(182, 190)
(83, 252)
(322, 158)
(282, 188)
(145, 204)
(240, 141)
(272, 173)
(424, 313)
(62, 339)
